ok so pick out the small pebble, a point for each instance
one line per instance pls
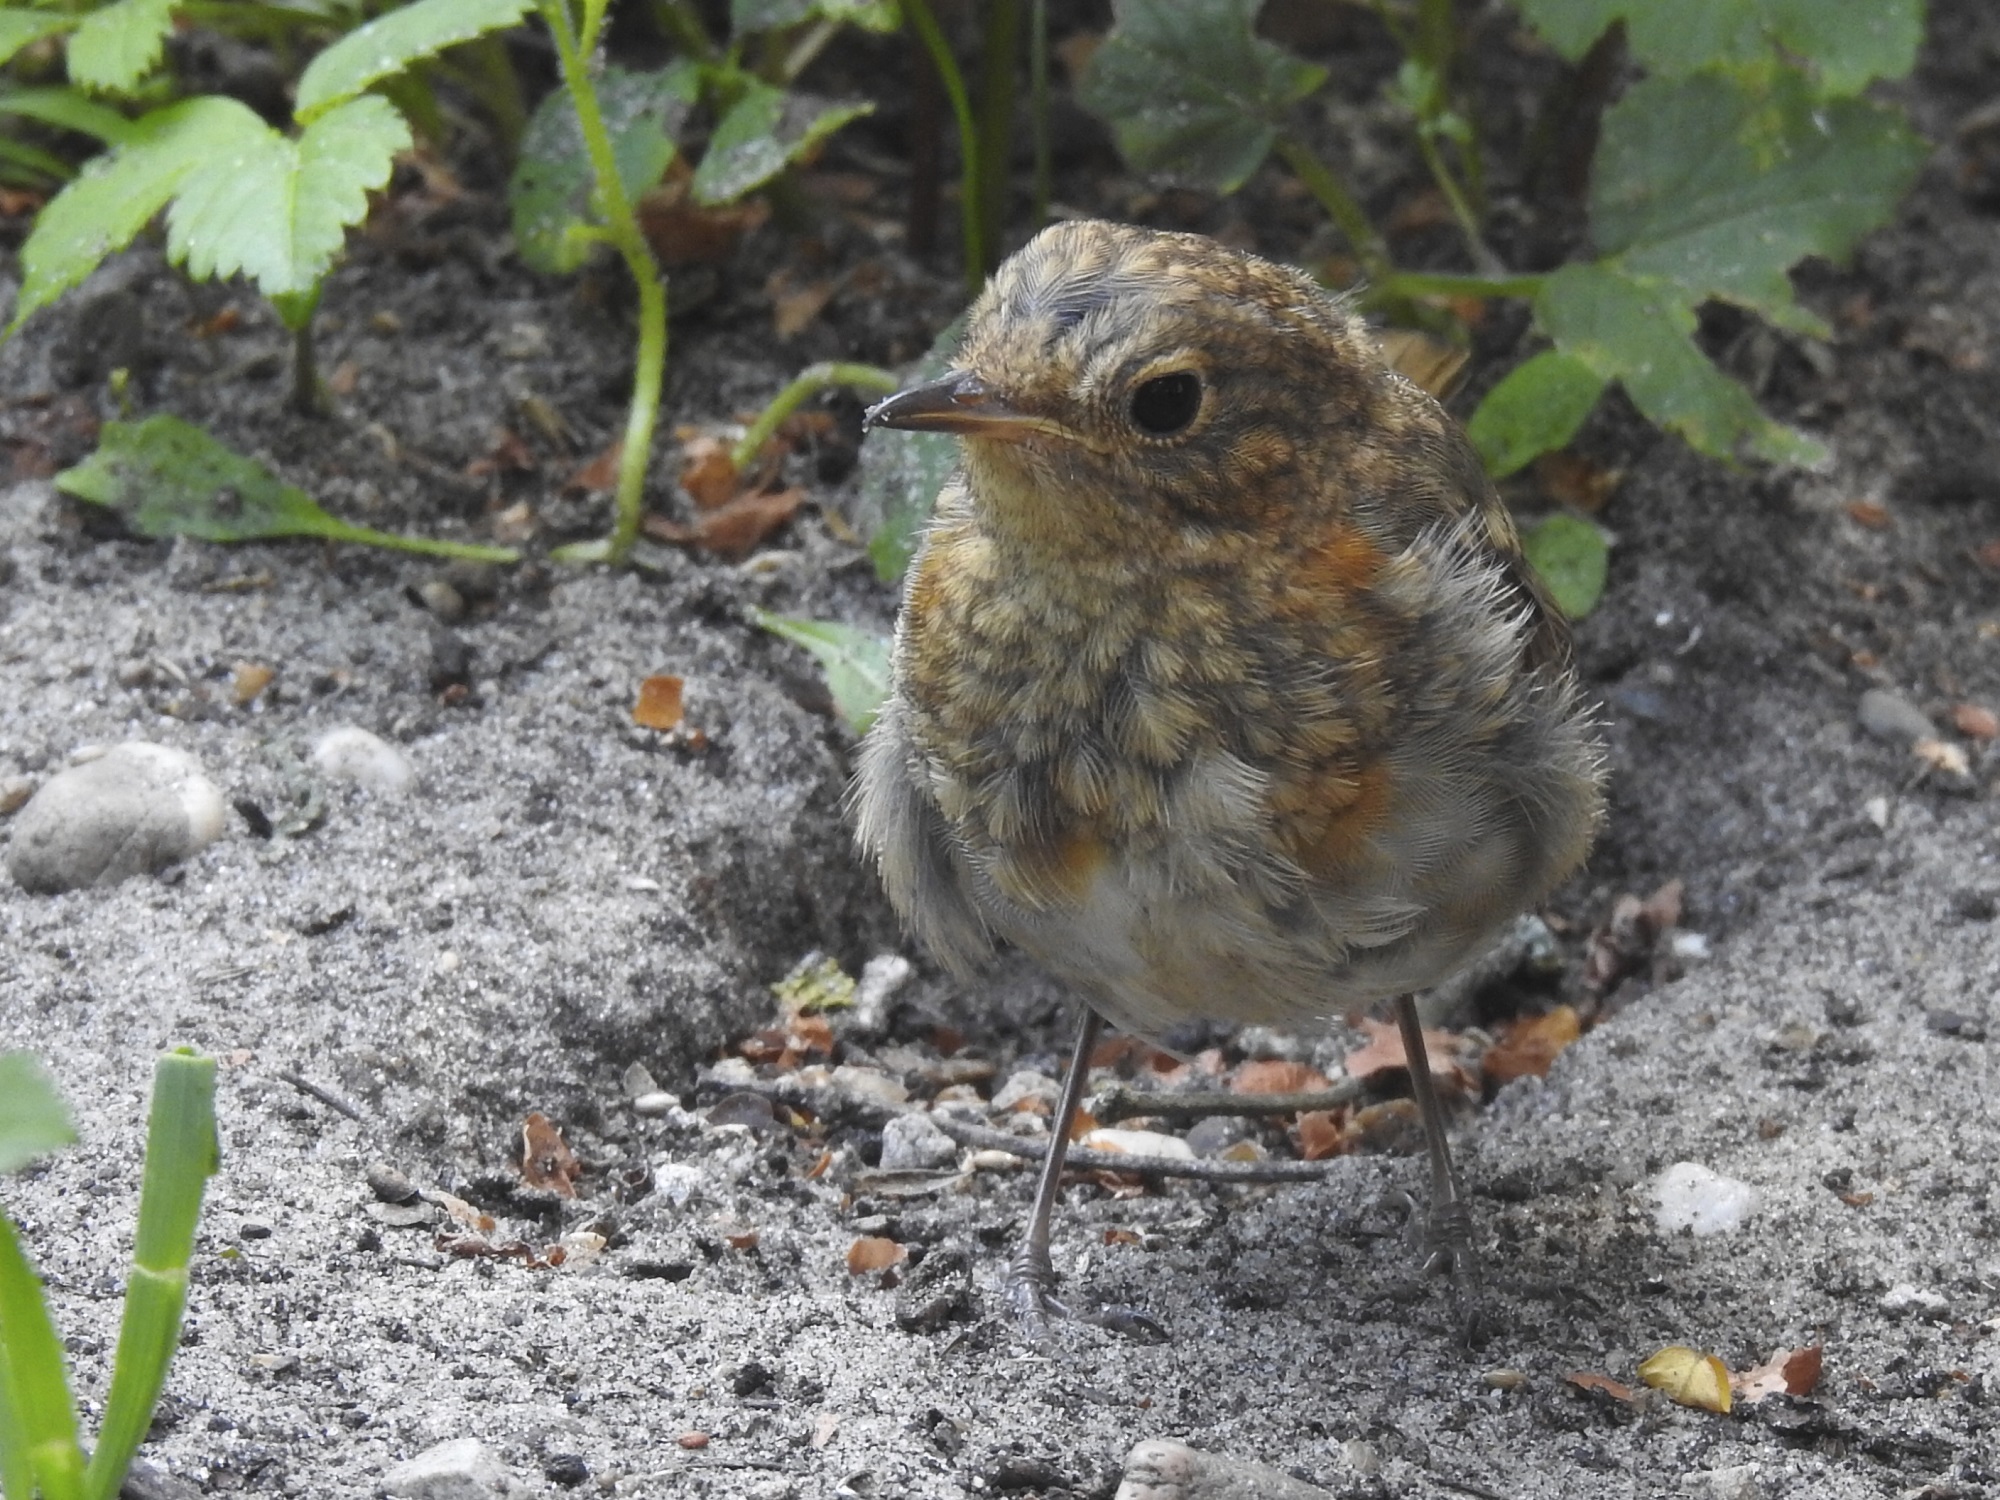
(14, 793)
(1904, 1300)
(1693, 1198)
(1736, 1482)
(869, 1085)
(1505, 1379)
(1164, 1470)
(390, 1186)
(913, 1143)
(461, 1469)
(637, 1081)
(351, 753)
(132, 810)
(253, 1229)
(656, 1102)
(1022, 1087)
(677, 1182)
(1894, 718)
(1214, 1134)
(1137, 1143)
(881, 977)
(441, 599)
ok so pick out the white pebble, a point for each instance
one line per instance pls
(1903, 1299)
(131, 810)
(1693, 1198)
(1024, 1086)
(1138, 1143)
(351, 753)
(913, 1143)
(458, 1470)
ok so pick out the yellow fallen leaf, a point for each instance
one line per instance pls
(1688, 1377)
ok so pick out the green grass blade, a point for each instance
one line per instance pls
(181, 1155)
(37, 1419)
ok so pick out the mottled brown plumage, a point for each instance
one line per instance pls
(1221, 686)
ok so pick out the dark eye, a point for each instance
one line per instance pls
(1165, 404)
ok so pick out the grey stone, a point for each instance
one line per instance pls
(1892, 717)
(133, 810)
(913, 1142)
(461, 1469)
(350, 753)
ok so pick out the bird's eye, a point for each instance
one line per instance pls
(1165, 404)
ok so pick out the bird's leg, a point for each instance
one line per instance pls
(1448, 1225)
(1031, 1278)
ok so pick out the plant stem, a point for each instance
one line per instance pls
(1451, 284)
(925, 23)
(1038, 109)
(999, 47)
(1461, 209)
(800, 55)
(622, 227)
(1340, 205)
(684, 28)
(808, 383)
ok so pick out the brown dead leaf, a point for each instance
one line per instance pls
(546, 1160)
(1384, 1050)
(1322, 1133)
(1123, 1237)
(1975, 722)
(1573, 480)
(1789, 1372)
(225, 321)
(742, 1239)
(873, 1252)
(1942, 756)
(1530, 1044)
(1867, 513)
(1988, 554)
(510, 453)
(600, 474)
(249, 680)
(1688, 1377)
(1423, 359)
(684, 233)
(1275, 1076)
(1628, 939)
(463, 1212)
(1588, 1381)
(659, 705)
(795, 303)
(734, 531)
(708, 473)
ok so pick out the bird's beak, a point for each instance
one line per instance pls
(958, 401)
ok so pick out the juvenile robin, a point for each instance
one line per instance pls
(1221, 686)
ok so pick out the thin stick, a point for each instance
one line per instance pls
(1125, 1103)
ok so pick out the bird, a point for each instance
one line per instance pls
(1221, 686)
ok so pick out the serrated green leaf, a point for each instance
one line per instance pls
(33, 1121)
(854, 661)
(1848, 43)
(1721, 187)
(747, 16)
(117, 193)
(552, 192)
(165, 477)
(1572, 558)
(23, 28)
(765, 131)
(68, 109)
(1639, 333)
(394, 40)
(1190, 90)
(900, 473)
(1535, 410)
(277, 210)
(116, 46)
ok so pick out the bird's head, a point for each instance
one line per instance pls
(1114, 378)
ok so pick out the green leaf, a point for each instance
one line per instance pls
(1536, 409)
(900, 473)
(855, 662)
(23, 28)
(68, 109)
(165, 477)
(119, 44)
(1721, 187)
(394, 40)
(1191, 91)
(764, 132)
(277, 210)
(1848, 43)
(1571, 556)
(181, 1155)
(115, 194)
(1639, 333)
(36, 1413)
(33, 1121)
(553, 191)
(746, 16)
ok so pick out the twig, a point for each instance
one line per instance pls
(984, 1138)
(1123, 1104)
(327, 1097)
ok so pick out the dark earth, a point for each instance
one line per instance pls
(566, 894)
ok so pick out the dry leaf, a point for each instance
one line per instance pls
(1789, 1372)
(225, 321)
(1943, 757)
(735, 530)
(1322, 1133)
(1427, 362)
(742, 1239)
(600, 474)
(659, 705)
(684, 233)
(1384, 1050)
(872, 1252)
(708, 473)
(1273, 1076)
(1529, 1045)
(1587, 1381)
(463, 1212)
(1122, 1237)
(251, 678)
(508, 453)
(546, 1160)
(1688, 1377)
(794, 306)
(1974, 722)
(1573, 480)
(1625, 943)
(825, 1425)
(1868, 513)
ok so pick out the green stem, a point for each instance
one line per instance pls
(428, 546)
(999, 46)
(1340, 205)
(799, 56)
(1038, 109)
(925, 22)
(622, 228)
(684, 28)
(808, 383)
(496, 85)
(1461, 209)
(1450, 284)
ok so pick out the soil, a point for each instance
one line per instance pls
(566, 895)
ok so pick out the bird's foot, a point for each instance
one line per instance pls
(1032, 1299)
(1442, 1235)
